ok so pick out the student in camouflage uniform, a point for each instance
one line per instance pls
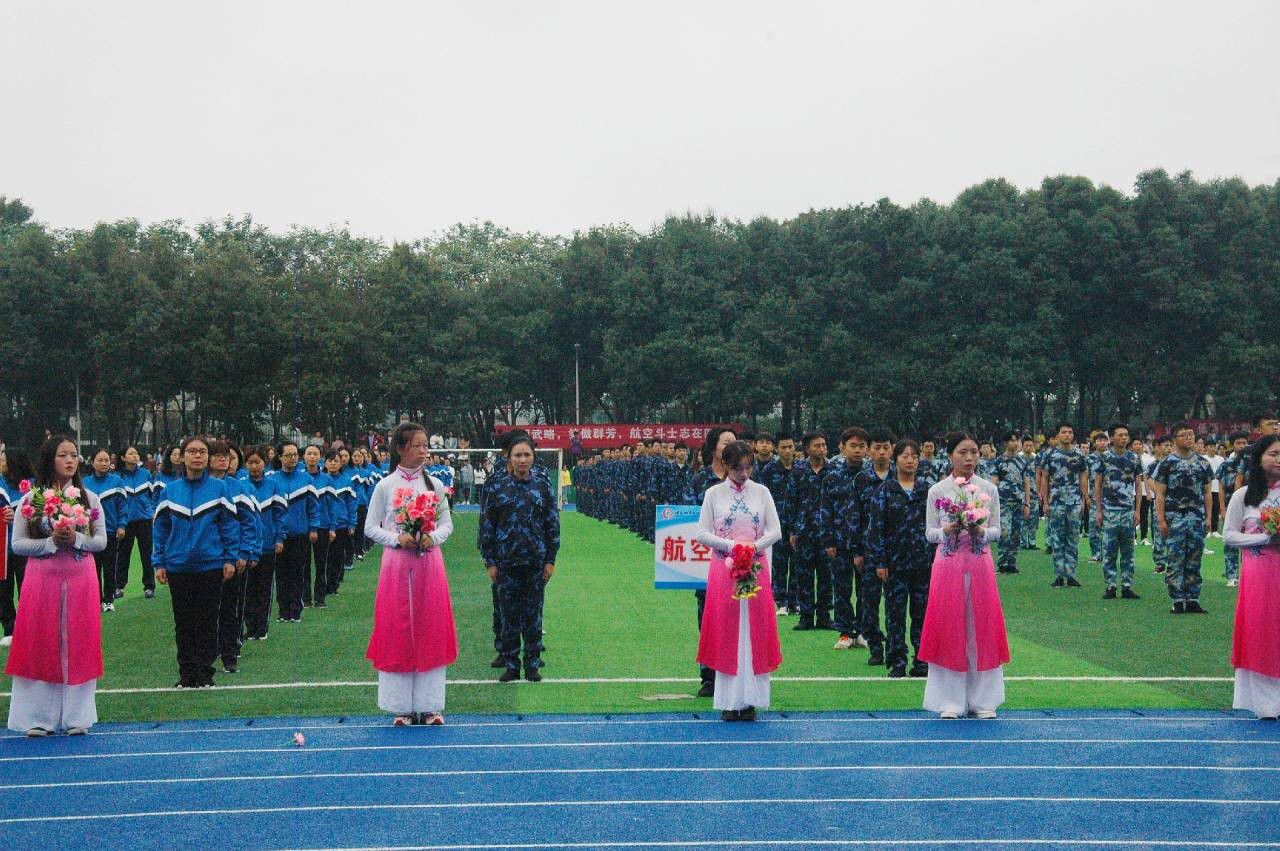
(803, 522)
(1159, 552)
(1098, 447)
(1029, 529)
(1064, 490)
(931, 467)
(519, 538)
(1183, 494)
(900, 556)
(841, 530)
(1117, 477)
(1009, 473)
(1226, 487)
(774, 475)
(867, 483)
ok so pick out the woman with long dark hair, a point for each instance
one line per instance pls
(413, 639)
(110, 491)
(15, 468)
(139, 507)
(1255, 651)
(964, 640)
(56, 658)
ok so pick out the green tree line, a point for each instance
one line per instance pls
(1005, 308)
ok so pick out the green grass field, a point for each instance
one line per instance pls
(604, 620)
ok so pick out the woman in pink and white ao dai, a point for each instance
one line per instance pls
(56, 657)
(413, 638)
(739, 639)
(1255, 650)
(963, 638)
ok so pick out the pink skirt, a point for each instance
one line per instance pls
(943, 639)
(37, 649)
(1255, 644)
(412, 617)
(718, 642)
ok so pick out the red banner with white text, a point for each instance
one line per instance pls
(613, 435)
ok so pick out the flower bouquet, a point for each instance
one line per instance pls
(56, 509)
(415, 514)
(1270, 521)
(744, 564)
(968, 509)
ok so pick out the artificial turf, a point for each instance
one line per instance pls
(604, 620)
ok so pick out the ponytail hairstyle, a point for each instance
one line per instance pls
(45, 477)
(735, 452)
(954, 439)
(1256, 486)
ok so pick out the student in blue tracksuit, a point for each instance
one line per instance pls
(347, 468)
(269, 507)
(15, 468)
(314, 583)
(301, 523)
(224, 460)
(110, 492)
(363, 472)
(195, 545)
(139, 506)
(342, 514)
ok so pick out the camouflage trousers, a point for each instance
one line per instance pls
(1232, 558)
(1184, 548)
(1117, 546)
(520, 595)
(1011, 521)
(1063, 537)
(904, 591)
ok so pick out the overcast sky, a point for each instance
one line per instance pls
(401, 118)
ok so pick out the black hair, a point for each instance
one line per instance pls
(96, 451)
(781, 436)
(400, 440)
(45, 477)
(955, 438)
(1114, 427)
(1238, 435)
(1164, 438)
(764, 435)
(852, 432)
(522, 437)
(709, 444)
(20, 466)
(748, 436)
(1062, 425)
(1012, 435)
(1260, 419)
(882, 435)
(735, 452)
(1184, 426)
(235, 450)
(330, 454)
(1256, 485)
(260, 451)
(810, 437)
(682, 445)
(903, 445)
(167, 467)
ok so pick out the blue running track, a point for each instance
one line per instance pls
(893, 780)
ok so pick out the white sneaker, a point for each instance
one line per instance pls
(843, 643)
(1208, 552)
(1146, 542)
(1232, 583)
(947, 715)
(985, 714)
(6, 641)
(860, 641)
(782, 610)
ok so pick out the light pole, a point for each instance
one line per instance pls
(577, 396)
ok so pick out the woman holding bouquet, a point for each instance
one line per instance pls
(1253, 525)
(413, 638)
(56, 658)
(964, 639)
(739, 639)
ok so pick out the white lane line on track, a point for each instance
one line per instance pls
(838, 843)
(450, 746)
(798, 718)
(658, 802)
(656, 681)
(675, 769)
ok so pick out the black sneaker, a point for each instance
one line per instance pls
(1127, 593)
(707, 690)
(533, 676)
(919, 669)
(509, 675)
(897, 672)
(230, 667)
(748, 714)
(803, 625)
(1060, 582)
(1193, 607)
(497, 662)
(876, 657)
(150, 593)
(1178, 608)
(1072, 582)
(118, 594)
(1110, 593)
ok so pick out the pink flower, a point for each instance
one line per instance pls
(95, 514)
(50, 509)
(24, 486)
(50, 493)
(971, 488)
(28, 510)
(72, 492)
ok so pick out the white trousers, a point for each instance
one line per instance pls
(404, 694)
(962, 692)
(1257, 693)
(53, 706)
(745, 688)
